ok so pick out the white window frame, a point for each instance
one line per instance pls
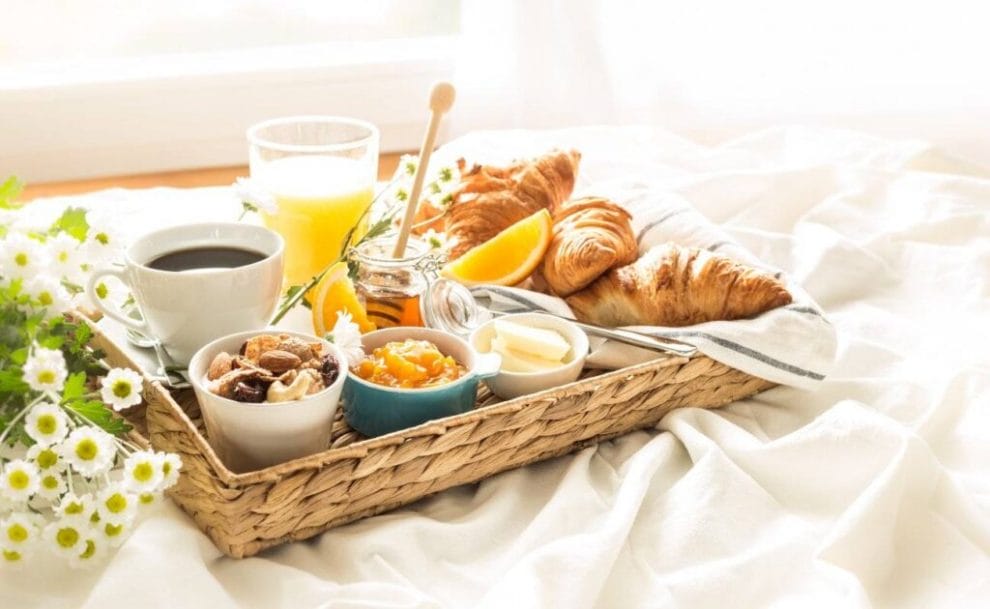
(178, 112)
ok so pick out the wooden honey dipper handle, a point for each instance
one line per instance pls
(441, 99)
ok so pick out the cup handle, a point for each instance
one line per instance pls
(488, 365)
(112, 312)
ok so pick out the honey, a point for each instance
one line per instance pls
(389, 311)
(391, 288)
(410, 364)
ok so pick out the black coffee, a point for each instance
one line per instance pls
(205, 258)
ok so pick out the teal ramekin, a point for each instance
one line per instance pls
(376, 410)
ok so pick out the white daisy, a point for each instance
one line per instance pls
(109, 290)
(51, 486)
(171, 464)
(93, 550)
(46, 458)
(67, 536)
(75, 506)
(21, 257)
(249, 191)
(11, 559)
(347, 336)
(65, 257)
(20, 532)
(46, 424)
(49, 292)
(19, 480)
(103, 243)
(143, 472)
(114, 534)
(45, 370)
(90, 451)
(121, 388)
(115, 505)
(146, 499)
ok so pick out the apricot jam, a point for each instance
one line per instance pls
(410, 364)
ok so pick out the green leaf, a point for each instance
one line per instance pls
(73, 222)
(12, 382)
(9, 191)
(98, 414)
(75, 386)
(51, 342)
(19, 356)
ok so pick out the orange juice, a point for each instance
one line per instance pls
(319, 199)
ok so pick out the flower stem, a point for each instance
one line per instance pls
(17, 419)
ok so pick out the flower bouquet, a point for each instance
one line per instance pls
(70, 481)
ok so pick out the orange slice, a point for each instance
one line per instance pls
(508, 257)
(334, 294)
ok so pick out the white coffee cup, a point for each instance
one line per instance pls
(185, 310)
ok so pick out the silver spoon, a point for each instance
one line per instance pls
(454, 308)
(167, 371)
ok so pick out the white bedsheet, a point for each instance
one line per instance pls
(873, 491)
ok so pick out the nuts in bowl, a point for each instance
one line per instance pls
(267, 397)
(272, 368)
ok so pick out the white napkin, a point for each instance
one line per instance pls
(792, 345)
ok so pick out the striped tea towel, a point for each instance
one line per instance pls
(792, 345)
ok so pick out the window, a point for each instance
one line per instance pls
(100, 87)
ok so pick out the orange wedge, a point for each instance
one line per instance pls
(334, 294)
(507, 258)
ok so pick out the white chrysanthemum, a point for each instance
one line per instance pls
(46, 458)
(109, 290)
(51, 486)
(64, 257)
(94, 548)
(103, 244)
(21, 257)
(121, 388)
(45, 370)
(249, 191)
(147, 499)
(67, 536)
(19, 534)
(89, 451)
(171, 464)
(115, 505)
(49, 292)
(114, 534)
(46, 424)
(347, 336)
(75, 506)
(19, 480)
(11, 559)
(143, 472)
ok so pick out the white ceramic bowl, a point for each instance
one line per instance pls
(507, 384)
(247, 436)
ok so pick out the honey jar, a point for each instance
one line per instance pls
(391, 288)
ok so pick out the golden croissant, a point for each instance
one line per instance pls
(490, 199)
(672, 285)
(590, 236)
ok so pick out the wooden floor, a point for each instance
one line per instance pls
(217, 176)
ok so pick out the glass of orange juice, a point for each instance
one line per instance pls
(321, 171)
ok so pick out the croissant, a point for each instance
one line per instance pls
(590, 236)
(490, 199)
(672, 285)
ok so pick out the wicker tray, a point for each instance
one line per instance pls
(357, 477)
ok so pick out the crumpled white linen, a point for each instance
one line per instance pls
(871, 491)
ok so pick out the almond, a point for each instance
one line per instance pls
(279, 361)
(221, 365)
(255, 347)
(298, 347)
